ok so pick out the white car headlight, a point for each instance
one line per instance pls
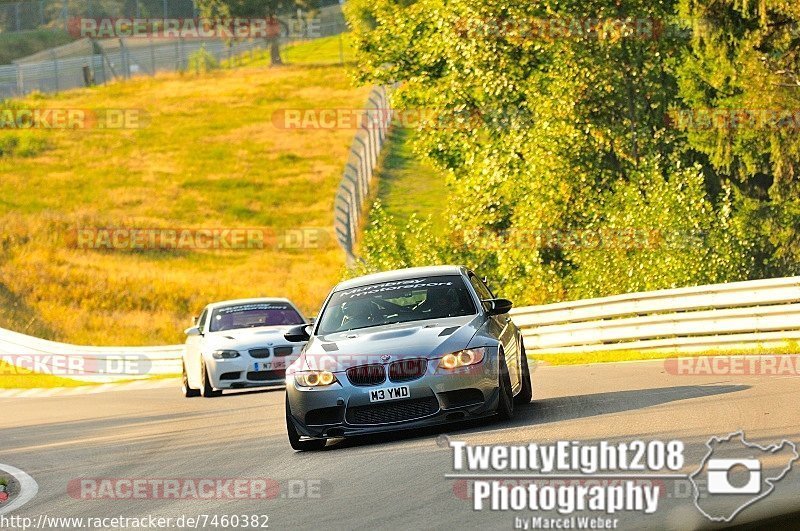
(314, 378)
(462, 358)
(224, 354)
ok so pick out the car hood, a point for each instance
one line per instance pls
(418, 339)
(246, 338)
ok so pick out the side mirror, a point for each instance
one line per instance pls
(194, 320)
(298, 333)
(497, 306)
(193, 331)
(312, 320)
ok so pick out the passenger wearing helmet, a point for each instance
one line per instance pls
(357, 313)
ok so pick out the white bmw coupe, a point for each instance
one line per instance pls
(238, 344)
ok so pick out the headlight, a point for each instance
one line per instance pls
(462, 358)
(314, 378)
(224, 354)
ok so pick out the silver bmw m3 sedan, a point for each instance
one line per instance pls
(402, 350)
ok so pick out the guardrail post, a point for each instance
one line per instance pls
(361, 153)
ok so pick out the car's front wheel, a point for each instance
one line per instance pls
(294, 437)
(505, 406)
(207, 390)
(188, 392)
(524, 396)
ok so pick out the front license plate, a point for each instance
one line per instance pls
(269, 366)
(392, 393)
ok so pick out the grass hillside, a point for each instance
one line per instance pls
(16, 45)
(406, 185)
(210, 157)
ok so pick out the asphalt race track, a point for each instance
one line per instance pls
(395, 482)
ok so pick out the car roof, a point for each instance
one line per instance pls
(231, 302)
(401, 274)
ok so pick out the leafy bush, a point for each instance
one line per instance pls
(661, 233)
(202, 61)
(385, 247)
(21, 145)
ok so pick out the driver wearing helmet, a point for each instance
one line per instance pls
(441, 302)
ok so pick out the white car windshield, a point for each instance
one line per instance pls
(397, 301)
(253, 315)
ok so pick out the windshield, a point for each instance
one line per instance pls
(253, 315)
(396, 302)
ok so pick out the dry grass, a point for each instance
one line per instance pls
(210, 157)
(582, 358)
(15, 378)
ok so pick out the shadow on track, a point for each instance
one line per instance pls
(555, 410)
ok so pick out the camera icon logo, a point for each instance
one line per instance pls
(718, 476)
(733, 474)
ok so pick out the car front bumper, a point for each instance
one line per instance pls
(241, 372)
(438, 397)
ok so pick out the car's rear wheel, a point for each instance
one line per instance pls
(505, 406)
(524, 396)
(188, 392)
(206, 389)
(309, 445)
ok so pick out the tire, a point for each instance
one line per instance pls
(505, 405)
(525, 395)
(188, 392)
(206, 389)
(310, 445)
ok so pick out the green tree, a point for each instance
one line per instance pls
(744, 67)
(550, 117)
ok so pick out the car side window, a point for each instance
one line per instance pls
(201, 322)
(480, 288)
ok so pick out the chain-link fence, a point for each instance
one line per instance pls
(97, 61)
(33, 14)
(354, 189)
(103, 61)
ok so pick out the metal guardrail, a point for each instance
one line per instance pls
(354, 188)
(97, 364)
(753, 313)
(758, 313)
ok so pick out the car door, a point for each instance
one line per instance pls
(506, 333)
(194, 347)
